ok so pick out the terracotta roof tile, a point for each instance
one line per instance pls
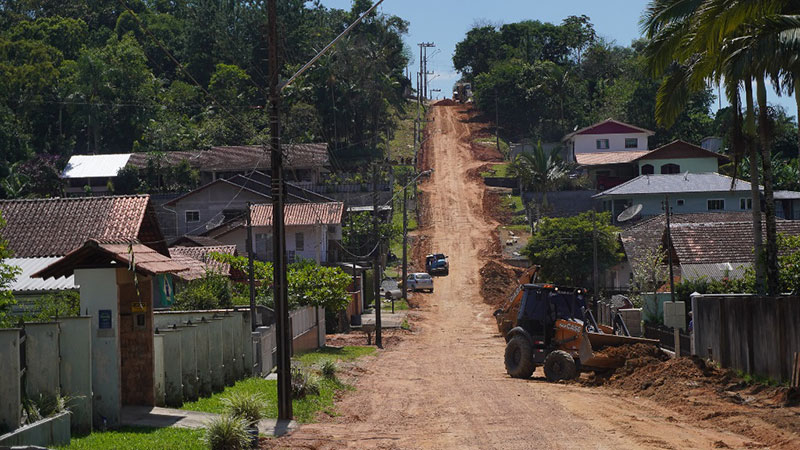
(199, 261)
(682, 149)
(242, 157)
(54, 227)
(300, 214)
(706, 243)
(603, 158)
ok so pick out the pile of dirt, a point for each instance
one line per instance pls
(486, 152)
(498, 281)
(446, 102)
(493, 207)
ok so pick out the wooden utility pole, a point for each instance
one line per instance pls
(250, 270)
(283, 331)
(377, 257)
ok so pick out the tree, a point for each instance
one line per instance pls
(563, 247)
(7, 274)
(649, 272)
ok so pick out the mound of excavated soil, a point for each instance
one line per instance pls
(498, 281)
(446, 102)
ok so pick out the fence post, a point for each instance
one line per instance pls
(677, 333)
(796, 370)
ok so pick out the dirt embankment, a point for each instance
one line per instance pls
(498, 281)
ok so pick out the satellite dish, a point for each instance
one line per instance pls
(629, 213)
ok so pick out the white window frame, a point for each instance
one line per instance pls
(708, 204)
(635, 142)
(598, 143)
(302, 239)
(186, 215)
(747, 202)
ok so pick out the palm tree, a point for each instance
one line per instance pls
(539, 170)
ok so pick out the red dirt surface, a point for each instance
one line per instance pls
(498, 282)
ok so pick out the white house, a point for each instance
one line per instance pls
(311, 229)
(607, 136)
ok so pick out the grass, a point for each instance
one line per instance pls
(523, 228)
(498, 170)
(140, 438)
(491, 142)
(513, 203)
(402, 143)
(304, 409)
(399, 305)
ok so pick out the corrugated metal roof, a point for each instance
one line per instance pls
(786, 195)
(29, 266)
(714, 271)
(676, 183)
(89, 166)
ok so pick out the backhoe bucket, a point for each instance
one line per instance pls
(592, 342)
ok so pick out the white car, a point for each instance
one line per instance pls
(419, 281)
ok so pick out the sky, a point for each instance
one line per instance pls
(446, 22)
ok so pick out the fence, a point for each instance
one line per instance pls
(666, 336)
(754, 334)
(308, 332)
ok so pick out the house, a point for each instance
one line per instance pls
(689, 193)
(200, 262)
(223, 200)
(787, 204)
(646, 235)
(41, 231)
(303, 163)
(312, 230)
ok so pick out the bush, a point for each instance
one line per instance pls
(210, 292)
(248, 407)
(226, 432)
(303, 383)
(329, 370)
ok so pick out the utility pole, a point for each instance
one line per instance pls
(496, 121)
(250, 270)
(423, 66)
(405, 243)
(595, 271)
(669, 250)
(283, 331)
(377, 257)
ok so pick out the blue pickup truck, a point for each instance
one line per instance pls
(437, 264)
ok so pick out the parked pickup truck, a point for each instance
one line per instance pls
(437, 264)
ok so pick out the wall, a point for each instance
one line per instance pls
(586, 143)
(754, 334)
(76, 369)
(10, 383)
(315, 241)
(99, 292)
(692, 165)
(136, 339)
(210, 202)
(41, 354)
(52, 431)
(692, 202)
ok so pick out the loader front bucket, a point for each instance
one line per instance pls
(593, 342)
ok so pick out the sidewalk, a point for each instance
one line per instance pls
(146, 416)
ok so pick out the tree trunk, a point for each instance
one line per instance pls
(769, 200)
(797, 100)
(749, 139)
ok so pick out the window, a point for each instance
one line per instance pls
(680, 202)
(192, 216)
(602, 144)
(299, 242)
(716, 205)
(631, 142)
(648, 169)
(670, 168)
(746, 204)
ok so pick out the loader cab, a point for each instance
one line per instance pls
(543, 304)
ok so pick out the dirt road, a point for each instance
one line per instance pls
(446, 387)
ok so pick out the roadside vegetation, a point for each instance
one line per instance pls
(140, 438)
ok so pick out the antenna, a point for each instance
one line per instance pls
(629, 213)
(215, 221)
(686, 176)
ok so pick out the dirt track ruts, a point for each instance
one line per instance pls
(446, 387)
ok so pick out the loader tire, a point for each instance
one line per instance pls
(559, 365)
(519, 357)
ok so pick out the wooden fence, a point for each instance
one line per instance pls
(757, 335)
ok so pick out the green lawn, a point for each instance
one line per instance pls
(305, 408)
(513, 203)
(402, 143)
(498, 170)
(399, 305)
(135, 438)
(491, 142)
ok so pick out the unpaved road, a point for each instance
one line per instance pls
(445, 387)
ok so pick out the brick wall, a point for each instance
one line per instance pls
(136, 341)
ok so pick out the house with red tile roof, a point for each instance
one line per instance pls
(313, 231)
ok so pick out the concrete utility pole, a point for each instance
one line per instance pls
(377, 257)
(669, 250)
(283, 331)
(423, 66)
(405, 243)
(250, 270)
(595, 271)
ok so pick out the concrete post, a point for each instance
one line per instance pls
(10, 383)
(215, 360)
(41, 355)
(248, 356)
(75, 344)
(202, 350)
(321, 331)
(158, 369)
(238, 345)
(227, 349)
(189, 361)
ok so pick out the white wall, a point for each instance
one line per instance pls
(587, 143)
(10, 383)
(99, 292)
(76, 368)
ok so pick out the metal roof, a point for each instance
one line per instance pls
(29, 266)
(786, 195)
(90, 166)
(675, 184)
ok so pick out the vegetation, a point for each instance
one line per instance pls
(247, 407)
(140, 438)
(563, 247)
(650, 272)
(7, 274)
(213, 291)
(227, 432)
(304, 382)
(101, 77)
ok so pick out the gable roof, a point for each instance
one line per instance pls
(676, 184)
(605, 158)
(242, 157)
(89, 166)
(682, 149)
(609, 126)
(56, 226)
(190, 240)
(92, 253)
(720, 242)
(299, 214)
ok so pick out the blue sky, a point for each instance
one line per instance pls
(446, 22)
